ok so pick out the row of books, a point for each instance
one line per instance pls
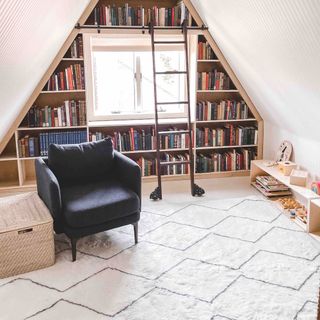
(143, 139)
(76, 48)
(229, 135)
(71, 113)
(214, 80)
(223, 110)
(225, 161)
(140, 16)
(38, 146)
(149, 167)
(72, 78)
(205, 51)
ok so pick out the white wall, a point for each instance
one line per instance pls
(31, 34)
(306, 152)
(274, 48)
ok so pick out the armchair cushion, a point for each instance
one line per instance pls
(81, 163)
(96, 203)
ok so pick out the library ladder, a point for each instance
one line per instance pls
(195, 189)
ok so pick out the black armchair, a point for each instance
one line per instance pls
(89, 188)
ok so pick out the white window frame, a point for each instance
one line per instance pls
(89, 78)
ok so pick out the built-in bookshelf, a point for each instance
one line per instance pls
(225, 130)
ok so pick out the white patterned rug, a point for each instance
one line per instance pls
(203, 260)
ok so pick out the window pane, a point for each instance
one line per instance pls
(113, 82)
(123, 82)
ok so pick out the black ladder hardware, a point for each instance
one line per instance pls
(195, 189)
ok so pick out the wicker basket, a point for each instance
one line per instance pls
(26, 235)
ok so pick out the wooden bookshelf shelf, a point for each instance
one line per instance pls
(208, 60)
(49, 128)
(154, 151)
(8, 158)
(227, 147)
(62, 91)
(72, 59)
(218, 91)
(224, 121)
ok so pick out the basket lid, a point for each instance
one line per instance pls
(22, 211)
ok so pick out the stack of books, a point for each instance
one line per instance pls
(72, 78)
(214, 80)
(223, 110)
(71, 113)
(140, 16)
(229, 135)
(225, 161)
(205, 51)
(271, 187)
(76, 48)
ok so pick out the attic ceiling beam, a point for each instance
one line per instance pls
(46, 76)
(231, 74)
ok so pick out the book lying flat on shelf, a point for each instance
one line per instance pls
(270, 186)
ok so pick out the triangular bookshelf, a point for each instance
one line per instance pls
(221, 104)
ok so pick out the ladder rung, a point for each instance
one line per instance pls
(173, 132)
(168, 42)
(178, 102)
(172, 163)
(172, 72)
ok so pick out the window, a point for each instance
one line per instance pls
(122, 78)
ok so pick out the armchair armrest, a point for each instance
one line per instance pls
(49, 191)
(128, 172)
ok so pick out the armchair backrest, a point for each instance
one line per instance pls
(81, 163)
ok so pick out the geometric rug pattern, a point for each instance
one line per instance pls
(204, 260)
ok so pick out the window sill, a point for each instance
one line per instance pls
(134, 122)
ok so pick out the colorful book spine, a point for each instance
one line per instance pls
(72, 78)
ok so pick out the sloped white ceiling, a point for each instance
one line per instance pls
(31, 34)
(274, 48)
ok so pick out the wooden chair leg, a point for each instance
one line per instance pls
(74, 249)
(135, 228)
